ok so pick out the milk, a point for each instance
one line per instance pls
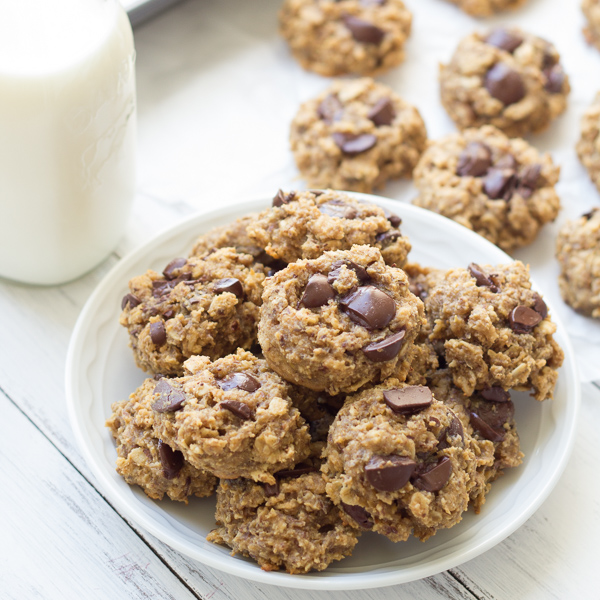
(67, 135)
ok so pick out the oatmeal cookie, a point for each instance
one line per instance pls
(487, 417)
(507, 78)
(306, 224)
(338, 322)
(591, 10)
(345, 37)
(144, 459)
(291, 525)
(355, 136)
(492, 329)
(397, 462)
(501, 188)
(201, 305)
(588, 146)
(578, 252)
(232, 417)
(486, 8)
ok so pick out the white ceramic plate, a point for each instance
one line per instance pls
(100, 370)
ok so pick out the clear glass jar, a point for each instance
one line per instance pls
(67, 135)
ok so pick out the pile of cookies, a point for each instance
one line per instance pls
(321, 385)
(498, 86)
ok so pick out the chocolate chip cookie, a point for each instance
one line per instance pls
(306, 224)
(344, 37)
(340, 321)
(200, 305)
(232, 417)
(588, 146)
(487, 418)
(486, 8)
(591, 10)
(501, 188)
(397, 462)
(492, 329)
(291, 525)
(356, 135)
(507, 78)
(578, 252)
(144, 459)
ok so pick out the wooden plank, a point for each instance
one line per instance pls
(60, 539)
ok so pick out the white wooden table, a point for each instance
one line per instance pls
(60, 538)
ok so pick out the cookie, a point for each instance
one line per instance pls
(397, 462)
(356, 135)
(501, 188)
(338, 322)
(306, 224)
(486, 8)
(507, 78)
(591, 31)
(201, 305)
(491, 329)
(487, 417)
(144, 459)
(345, 37)
(291, 525)
(232, 417)
(588, 145)
(578, 253)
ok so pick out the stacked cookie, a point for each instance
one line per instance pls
(323, 386)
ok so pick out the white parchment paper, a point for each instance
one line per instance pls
(218, 120)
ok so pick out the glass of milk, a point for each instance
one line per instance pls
(67, 136)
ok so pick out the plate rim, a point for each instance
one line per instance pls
(345, 581)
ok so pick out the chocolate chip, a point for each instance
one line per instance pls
(174, 265)
(474, 160)
(530, 175)
(453, 430)
(161, 287)
(229, 284)
(352, 144)
(158, 333)
(330, 109)
(296, 471)
(504, 39)
(495, 394)
(481, 278)
(281, 198)
(590, 214)
(239, 409)
(389, 473)
(339, 209)
(336, 267)
(539, 305)
(131, 300)
(555, 78)
(504, 84)
(363, 31)
(369, 306)
(408, 400)
(523, 319)
(508, 161)
(318, 292)
(240, 381)
(382, 113)
(171, 460)
(387, 237)
(359, 514)
(271, 489)
(433, 477)
(495, 414)
(419, 290)
(485, 431)
(169, 399)
(499, 183)
(386, 349)
(393, 218)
